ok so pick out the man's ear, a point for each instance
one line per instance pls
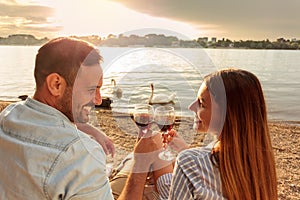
(56, 84)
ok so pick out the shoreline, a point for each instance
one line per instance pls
(285, 136)
(4, 103)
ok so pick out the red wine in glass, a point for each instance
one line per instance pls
(143, 116)
(165, 118)
(165, 127)
(142, 119)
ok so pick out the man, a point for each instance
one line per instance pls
(42, 153)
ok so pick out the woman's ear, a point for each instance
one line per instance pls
(56, 84)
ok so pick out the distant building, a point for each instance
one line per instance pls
(281, 40)
(294, 39)
(213, 39)
(203, 39)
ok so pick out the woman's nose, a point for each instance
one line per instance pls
(194, 106)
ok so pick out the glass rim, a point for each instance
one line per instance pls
(165, 108)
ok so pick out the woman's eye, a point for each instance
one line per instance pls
(91, 91)
(200, 104)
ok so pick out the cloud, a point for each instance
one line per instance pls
(19, 18)
(238, 17)
(233, 19)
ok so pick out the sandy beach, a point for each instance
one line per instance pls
(285, 139)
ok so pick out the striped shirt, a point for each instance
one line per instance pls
(194, 177)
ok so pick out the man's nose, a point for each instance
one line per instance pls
(97, 99)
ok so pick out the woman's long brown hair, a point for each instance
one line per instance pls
(244, 151)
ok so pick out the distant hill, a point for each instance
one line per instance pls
(160, 40)
(22, 39)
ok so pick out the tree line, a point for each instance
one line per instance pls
(280, 43)
(160, 40)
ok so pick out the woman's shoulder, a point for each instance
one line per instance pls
(199, 154)
(197, 151)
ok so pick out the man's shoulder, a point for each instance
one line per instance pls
(31, 126)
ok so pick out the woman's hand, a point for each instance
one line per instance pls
(176, 142)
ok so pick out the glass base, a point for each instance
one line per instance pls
(167, 155)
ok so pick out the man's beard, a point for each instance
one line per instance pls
(64, 104)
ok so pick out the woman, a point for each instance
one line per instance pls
(241, 164)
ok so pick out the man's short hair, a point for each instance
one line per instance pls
(64, 56)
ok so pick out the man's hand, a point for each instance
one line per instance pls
(146, 151)
(106, 143)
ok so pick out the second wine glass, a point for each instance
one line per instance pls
(165, 118)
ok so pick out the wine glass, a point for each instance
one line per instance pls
(143, 116)
(165, 119)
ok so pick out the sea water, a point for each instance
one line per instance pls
(178, 71)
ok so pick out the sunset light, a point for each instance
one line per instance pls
(92, 91)
(101, 17)
(194, 19)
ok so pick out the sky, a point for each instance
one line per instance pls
(186, 19)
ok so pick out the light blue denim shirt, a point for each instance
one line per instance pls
(44, 156)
